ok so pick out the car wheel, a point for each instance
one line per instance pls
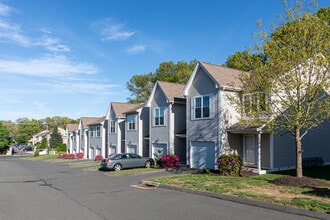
(117, 167)
(147, 164)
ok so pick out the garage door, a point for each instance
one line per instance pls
(132, 149)
(203, 155)
(159, 149)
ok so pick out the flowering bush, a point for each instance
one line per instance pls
(170, 160)
(79, 155)
(67, 156)
(230, 165)
(98, 157)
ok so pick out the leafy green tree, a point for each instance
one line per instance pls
(26, 128)
(55, 138)
(4, 137)
(11, 127)
(43, 144)
(295, 75)
(141, 86)
(245, 61)
(324, 14)
(58, 121)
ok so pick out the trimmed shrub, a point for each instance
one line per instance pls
(230, 165)
(61, 148)
(98, 157)
(68, 156)
(170, 160)
(80, 155)
(36, 153)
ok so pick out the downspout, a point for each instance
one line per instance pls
(219, 127)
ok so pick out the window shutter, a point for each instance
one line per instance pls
(192, 108)
(212, 105)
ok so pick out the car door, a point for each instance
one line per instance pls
(125, 161)
(137, 161)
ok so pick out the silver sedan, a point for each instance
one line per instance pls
(126, 160)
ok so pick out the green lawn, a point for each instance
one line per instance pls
(259, 188)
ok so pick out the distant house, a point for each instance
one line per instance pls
(83, 135)
(97, 130)
(37, 138)
(215, 127)
(116, 126)
(71, 130)
(137, 130)
(167, 123)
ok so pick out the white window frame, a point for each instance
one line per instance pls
(91, 131)
(157, 115)
(112, 127)
(98, 131)
(202, 107)
(131, 122)
(252, 100)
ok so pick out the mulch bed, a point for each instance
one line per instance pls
(299, 182)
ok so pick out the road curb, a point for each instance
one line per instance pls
(244, 201)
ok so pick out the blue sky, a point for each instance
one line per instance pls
(73, 57)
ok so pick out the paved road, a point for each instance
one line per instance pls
(43, 190)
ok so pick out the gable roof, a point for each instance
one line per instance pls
(224, 77)
(119, 108)
(97, 121)
(134, 109)
(87, 120)
(72, 127)
(170, 90)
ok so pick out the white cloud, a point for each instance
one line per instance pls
(52, 44)
(4, 9)
(51, 66)
(111, 30)
(12, 33)
(136, 49)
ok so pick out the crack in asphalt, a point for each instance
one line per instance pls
(71, 198)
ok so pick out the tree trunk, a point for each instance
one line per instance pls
(299, 170)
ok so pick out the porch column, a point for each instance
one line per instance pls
(259, 152)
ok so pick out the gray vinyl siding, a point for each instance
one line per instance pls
(132, 136)
(201, 129)
(317, 142)
(314, 144)
(159, 133)
(115, 139)
(265, 151)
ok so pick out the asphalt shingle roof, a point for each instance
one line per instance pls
(72, 127)
(120, 108)
(172, 90)
(88, 120)
(223, 75)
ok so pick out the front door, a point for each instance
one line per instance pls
(249, 149)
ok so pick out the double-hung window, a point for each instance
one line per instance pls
(91, 131)
(131, 121)
(254, 103)
(112, 127)
(98, 131)
(159, 116)
(201, 107)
